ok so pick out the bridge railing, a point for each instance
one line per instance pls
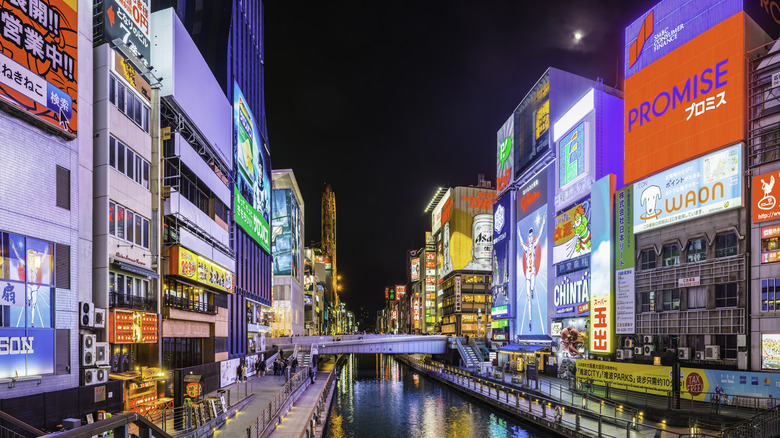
(270, 414)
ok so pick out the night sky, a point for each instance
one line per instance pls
(386, 101)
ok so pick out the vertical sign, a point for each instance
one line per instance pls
(532, 249)
(602, 315)
(501, 236)
(625, 305)
(457, 293)
(505, 163)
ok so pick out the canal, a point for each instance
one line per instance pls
(377, 396)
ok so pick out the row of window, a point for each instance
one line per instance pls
(128, 103)
(696, 251)
(127, 162)
(128, 225)
(725, 296)
(125, 284)
(194, 189)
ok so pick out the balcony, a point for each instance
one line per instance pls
(190, 305)
(714, 271)
(123, 301)
(726, 321)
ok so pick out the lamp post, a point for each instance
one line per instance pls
(479, 322)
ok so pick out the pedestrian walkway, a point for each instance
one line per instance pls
(582, 416)
(264, 389)
(297, 419)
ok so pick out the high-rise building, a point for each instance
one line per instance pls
(328, 245)
(287, 237)
(230, 38)
(46, 212)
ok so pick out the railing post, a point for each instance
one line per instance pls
(577, 422)
(599, 425)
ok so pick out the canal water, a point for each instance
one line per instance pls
(377, 396)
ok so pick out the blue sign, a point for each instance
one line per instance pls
(501, 233)
(27, 352)
(669, 25)
(572, 294)
(706, 185)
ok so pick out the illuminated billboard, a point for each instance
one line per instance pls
(467, 230)
(26, 352)
(414, 266)
(285, 236)
(532, 249)
(770, 351)
(687, 103)
(436, 216)
(199, 269)
(252, 189)
(501, 256)
(668, 26)
(770, 244)
(572, 342)
(505, 154)
(571, 295)
(602, 297)
(128, 20)
(704, 186)
(531, 125)
(400, 291)
(39, 59)
(625, 296)
(572, 233)
(765, 198)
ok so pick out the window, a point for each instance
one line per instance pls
(647, 259)
(145, 175)
(62, 266)
(671, 299)
(120, 222)
(728, 346)
(726, 295)
(30, 270)
(697, 250)
(770, 297)
(129, 163)
(63, 188)
(128, 225)
(112, 152)
(671, 255)
(120, 153)
(726, 244)
(648, 301)
(697, 297)
(128, 103)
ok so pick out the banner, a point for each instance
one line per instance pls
(501, 239)
(765, 205)
(634, 377)
(602, 297)
(625, 306)
(532, 259)
(39, 58)
(198, 268)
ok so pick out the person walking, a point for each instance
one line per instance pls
(239, 370)
(311, 374)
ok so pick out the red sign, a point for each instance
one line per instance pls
(766, 200)
(500, 336)
(688, 282)
(416, 310)
(694, 384)
(687, 103)
(126, 327)
(387, 293)
(768, 232)
(400, 290)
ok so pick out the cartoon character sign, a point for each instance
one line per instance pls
(572, 233)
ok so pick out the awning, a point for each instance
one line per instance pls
(535, 339)
(137, 270)
(516, 348)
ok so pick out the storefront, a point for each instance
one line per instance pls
(194, 291)
(523, 359)
(258, 317)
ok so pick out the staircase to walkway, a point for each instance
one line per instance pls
(303, 359)
(470, 358)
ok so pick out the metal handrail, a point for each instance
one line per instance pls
(271, 412)
(460, 376)
(316, 418)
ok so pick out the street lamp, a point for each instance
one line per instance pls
(479, 321)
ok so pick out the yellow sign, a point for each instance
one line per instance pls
(198, 268)
(634, 377)
(543, 119)
(128, 73)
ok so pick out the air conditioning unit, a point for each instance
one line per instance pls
(671, 351)
(86, 314)
(684, 353)
(100, 318)
(629, 343)
(101, 353)
(88, 350)
(741, 340)
(648, 349)
(647, 339)
(89, 376)
(637, 351)
(712, 352)
(699, 355)
(620, 354)
(101, 375)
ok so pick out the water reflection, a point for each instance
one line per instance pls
(379, 397)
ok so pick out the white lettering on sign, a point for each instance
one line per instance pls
(16, 345)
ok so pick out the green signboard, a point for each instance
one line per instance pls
(252, 222)
(501, 323)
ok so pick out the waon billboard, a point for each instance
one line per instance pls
(765, 197)
(687, 103)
